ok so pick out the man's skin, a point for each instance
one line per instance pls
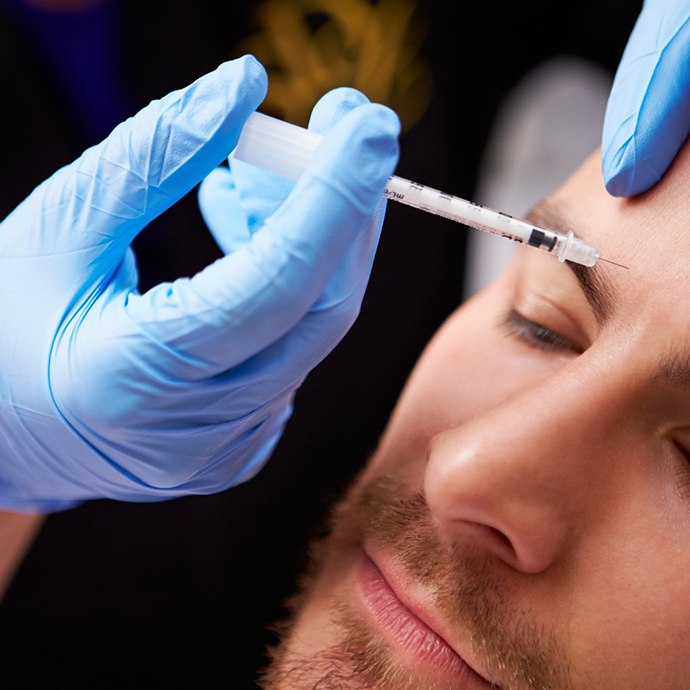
(17, 532)
(525, 521)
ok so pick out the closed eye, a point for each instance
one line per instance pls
(536, 335)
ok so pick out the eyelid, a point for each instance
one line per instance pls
(555, 307)
(681, 449)
(537, 335)
(550, 294)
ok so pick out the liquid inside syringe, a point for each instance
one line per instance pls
(285, 149)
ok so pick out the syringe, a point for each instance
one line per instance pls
(285, 149)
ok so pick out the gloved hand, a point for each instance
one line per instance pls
(648, 112)
(105, 392)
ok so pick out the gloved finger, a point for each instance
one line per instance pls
(353, 274)
(333, 106)
(235, 202)
(648, 113)
(250, 298)
(98, 204)
(282, 365)
(260, 192)
(221, 210)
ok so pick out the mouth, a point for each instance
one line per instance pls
(411, 630)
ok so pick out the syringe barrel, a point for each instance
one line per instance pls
(276, 146)
(285, 149)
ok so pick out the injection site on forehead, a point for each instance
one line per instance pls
(603, 289)
(594, 281)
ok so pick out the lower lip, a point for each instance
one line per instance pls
(420, 644)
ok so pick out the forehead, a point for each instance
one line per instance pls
(649, 234)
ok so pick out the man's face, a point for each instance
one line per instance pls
(525, 521)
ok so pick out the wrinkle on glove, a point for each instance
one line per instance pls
(648, 113)
(108, 393)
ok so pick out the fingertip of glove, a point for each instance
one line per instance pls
(360, 153)
(333, 106)
(218, 180)
(380, 129)
(248, 75)
(372, 130)
(249, 67)
(628, 171)
(617, 186)
(616, 175)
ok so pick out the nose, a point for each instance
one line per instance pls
(522, 479)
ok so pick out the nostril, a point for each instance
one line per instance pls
(488, 538)
(500, 538)
(498, 543)
(487, 493)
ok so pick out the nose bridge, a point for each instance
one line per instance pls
(519, 478)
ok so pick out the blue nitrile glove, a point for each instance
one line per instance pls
(108, 393)
(648, 112)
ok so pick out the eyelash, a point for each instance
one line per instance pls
(536, 335)
(683, 477)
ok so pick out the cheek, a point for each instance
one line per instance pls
(630, 612)
(469, 366)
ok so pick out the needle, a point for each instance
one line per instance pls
(285, 149)
(608, 261)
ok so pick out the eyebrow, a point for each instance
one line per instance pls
(674, 370)
(594, 284)
(674, 367)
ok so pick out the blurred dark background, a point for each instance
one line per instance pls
(179, 593)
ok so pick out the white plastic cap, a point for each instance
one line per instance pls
(276, 146)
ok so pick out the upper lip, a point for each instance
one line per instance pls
(422, 608)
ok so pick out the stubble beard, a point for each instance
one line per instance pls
(464, 586)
